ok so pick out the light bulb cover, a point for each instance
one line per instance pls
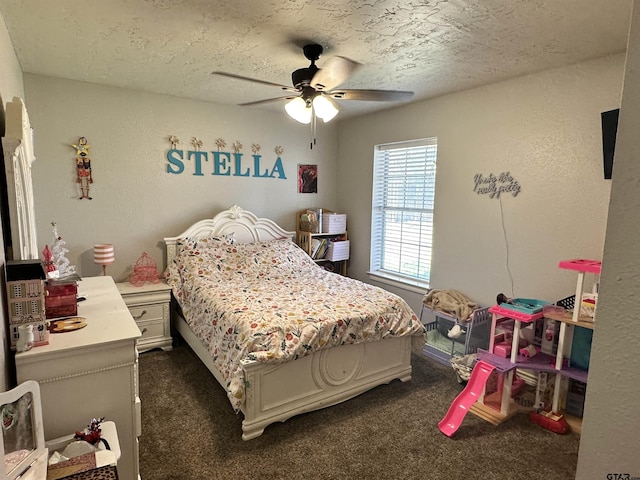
(298, 110)
(324, 108)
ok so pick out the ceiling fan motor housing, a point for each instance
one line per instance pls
(302, 77)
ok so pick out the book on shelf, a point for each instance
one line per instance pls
(319, 248)
(322, 251)
(315, 246)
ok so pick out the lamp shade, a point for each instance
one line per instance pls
(103, 254)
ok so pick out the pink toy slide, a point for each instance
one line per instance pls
(467, 397)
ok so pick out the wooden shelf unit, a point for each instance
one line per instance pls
(304, 238)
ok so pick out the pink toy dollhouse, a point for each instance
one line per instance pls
(545, 349)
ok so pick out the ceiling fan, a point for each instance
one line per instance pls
(313, 87)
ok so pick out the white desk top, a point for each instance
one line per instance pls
(107, 316)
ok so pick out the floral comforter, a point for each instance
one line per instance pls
(269, 302)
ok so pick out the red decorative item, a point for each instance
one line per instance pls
(60, 299)
(551, 421)
(49, 266)
(144, 270)
(93, 433)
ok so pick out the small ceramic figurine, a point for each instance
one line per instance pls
(25, 338)
(49, 265)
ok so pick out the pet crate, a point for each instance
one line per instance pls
(474, 334)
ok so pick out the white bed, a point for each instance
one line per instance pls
(276, 392)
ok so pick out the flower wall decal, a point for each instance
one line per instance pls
(197, 143)
(220, 143)
(174, 141)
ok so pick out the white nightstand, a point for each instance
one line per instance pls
(150, 306)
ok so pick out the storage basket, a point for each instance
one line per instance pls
(463, 366)
(311, 226)
(338, 251)
(567, 303)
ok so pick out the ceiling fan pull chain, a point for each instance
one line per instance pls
(313, 128)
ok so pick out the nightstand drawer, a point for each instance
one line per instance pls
(150, 329)
(147, 312)
(150, 306)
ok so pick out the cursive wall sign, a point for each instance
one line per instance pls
(493, 185)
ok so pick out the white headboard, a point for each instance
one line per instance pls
(247, 227)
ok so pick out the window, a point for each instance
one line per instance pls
(404, 178)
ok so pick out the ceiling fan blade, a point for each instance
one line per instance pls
(371, 95)
(269, 100)
(334, 72)
(254, 80)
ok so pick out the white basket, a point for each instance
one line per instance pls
(334, 223)
(338, 251)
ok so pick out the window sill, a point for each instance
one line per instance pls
(415, 286)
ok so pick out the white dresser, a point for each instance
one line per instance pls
(91, 372)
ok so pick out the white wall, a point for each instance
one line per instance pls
(136, 203)
(545, 130)
(10, 86)
(610, 442)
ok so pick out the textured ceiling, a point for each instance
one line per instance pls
(427, 46)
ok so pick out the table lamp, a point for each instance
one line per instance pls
(103, 255)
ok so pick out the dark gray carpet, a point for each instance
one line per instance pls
(189, 431)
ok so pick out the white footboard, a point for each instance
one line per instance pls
(276, 393)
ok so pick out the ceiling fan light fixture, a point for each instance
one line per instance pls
(324, 108)
(298, 110)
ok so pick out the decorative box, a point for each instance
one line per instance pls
(338, 251)
(26, 299)
(334, 223)
(60, 299)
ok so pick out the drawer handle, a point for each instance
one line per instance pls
(142, 314)
(143, 331)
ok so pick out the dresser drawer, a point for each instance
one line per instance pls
(147, 312)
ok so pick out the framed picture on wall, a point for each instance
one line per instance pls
(307, 178)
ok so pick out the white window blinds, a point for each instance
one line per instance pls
(404, 179)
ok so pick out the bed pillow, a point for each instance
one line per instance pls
(195, 244)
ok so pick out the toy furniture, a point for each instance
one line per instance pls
(471, 393)
(22, 446)
(507, 322)
(441, 346)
